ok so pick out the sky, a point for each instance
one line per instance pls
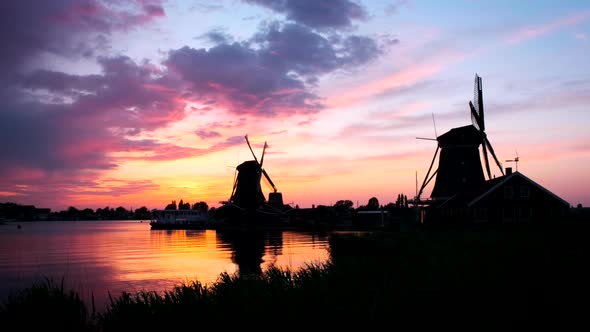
(138, 103)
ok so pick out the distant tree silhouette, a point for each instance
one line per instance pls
(72, 213)
(373, 203)
(343, 204)
(343, 207)
(142, 213)
(171, 206)
(87, 214)
(402, 201)
(121, 213)
(201, 206)
(184, 206)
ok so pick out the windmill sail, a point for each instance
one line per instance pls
(478, 118)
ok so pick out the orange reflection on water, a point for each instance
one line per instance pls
(297, 250)
(98, 258)
(173, 257)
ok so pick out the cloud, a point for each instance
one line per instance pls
(62, 123)
(204, 134)
(269, 75)
(394, 8)
(125, 95)
(205, 7)
(317, 14)
(217, 36)
(534, 31)
(67, 130)
(68, 28)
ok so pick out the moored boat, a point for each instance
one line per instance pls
(179, 219)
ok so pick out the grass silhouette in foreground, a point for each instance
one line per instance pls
(423, 277)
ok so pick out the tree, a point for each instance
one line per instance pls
(121, 213)
(142, 213)
(373, 203)
(184, 206)
(344, 204)
(201, 206)
(171, 206)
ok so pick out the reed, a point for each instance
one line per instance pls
(44, 306)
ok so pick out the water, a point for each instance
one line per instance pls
(102, 257)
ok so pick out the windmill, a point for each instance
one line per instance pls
(459, 162)
(246, 192)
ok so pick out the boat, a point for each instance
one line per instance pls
(179, 219)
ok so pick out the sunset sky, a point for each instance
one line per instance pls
(137, 103)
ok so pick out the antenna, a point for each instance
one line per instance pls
(515, 160)
(434, 123)
(416, 184)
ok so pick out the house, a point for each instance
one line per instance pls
(512, 198)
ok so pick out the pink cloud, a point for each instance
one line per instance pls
(535, 31)
(398, 80)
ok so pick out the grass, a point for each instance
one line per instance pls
(44, 306)
(475, 277)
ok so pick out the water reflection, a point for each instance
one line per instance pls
(110, 257)
(248, 248)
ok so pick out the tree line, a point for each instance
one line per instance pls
(14, 211)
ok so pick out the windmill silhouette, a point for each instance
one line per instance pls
(459, 162)
(246, 191)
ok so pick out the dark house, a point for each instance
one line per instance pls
(512, 198)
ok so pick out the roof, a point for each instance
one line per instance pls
(473, 194)
(466, 135)
(507, 178)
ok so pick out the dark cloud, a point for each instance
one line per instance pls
(64, 27)
(217, 36)
(204, 134)
(36, 136)
(126, 94)
(88, 118)
(269, 74)
(235, 75)
(317, 14)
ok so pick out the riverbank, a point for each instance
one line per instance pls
(448, 277)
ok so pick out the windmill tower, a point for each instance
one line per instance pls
(459, 163)
(246, 192)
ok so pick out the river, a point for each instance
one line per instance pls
(101, 257)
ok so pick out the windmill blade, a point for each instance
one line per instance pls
(263, 150)
(479, 91)
(247, 141)
(269, 180)
(233, 191)
(475, 118)
(486, 161)
(487, 142)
